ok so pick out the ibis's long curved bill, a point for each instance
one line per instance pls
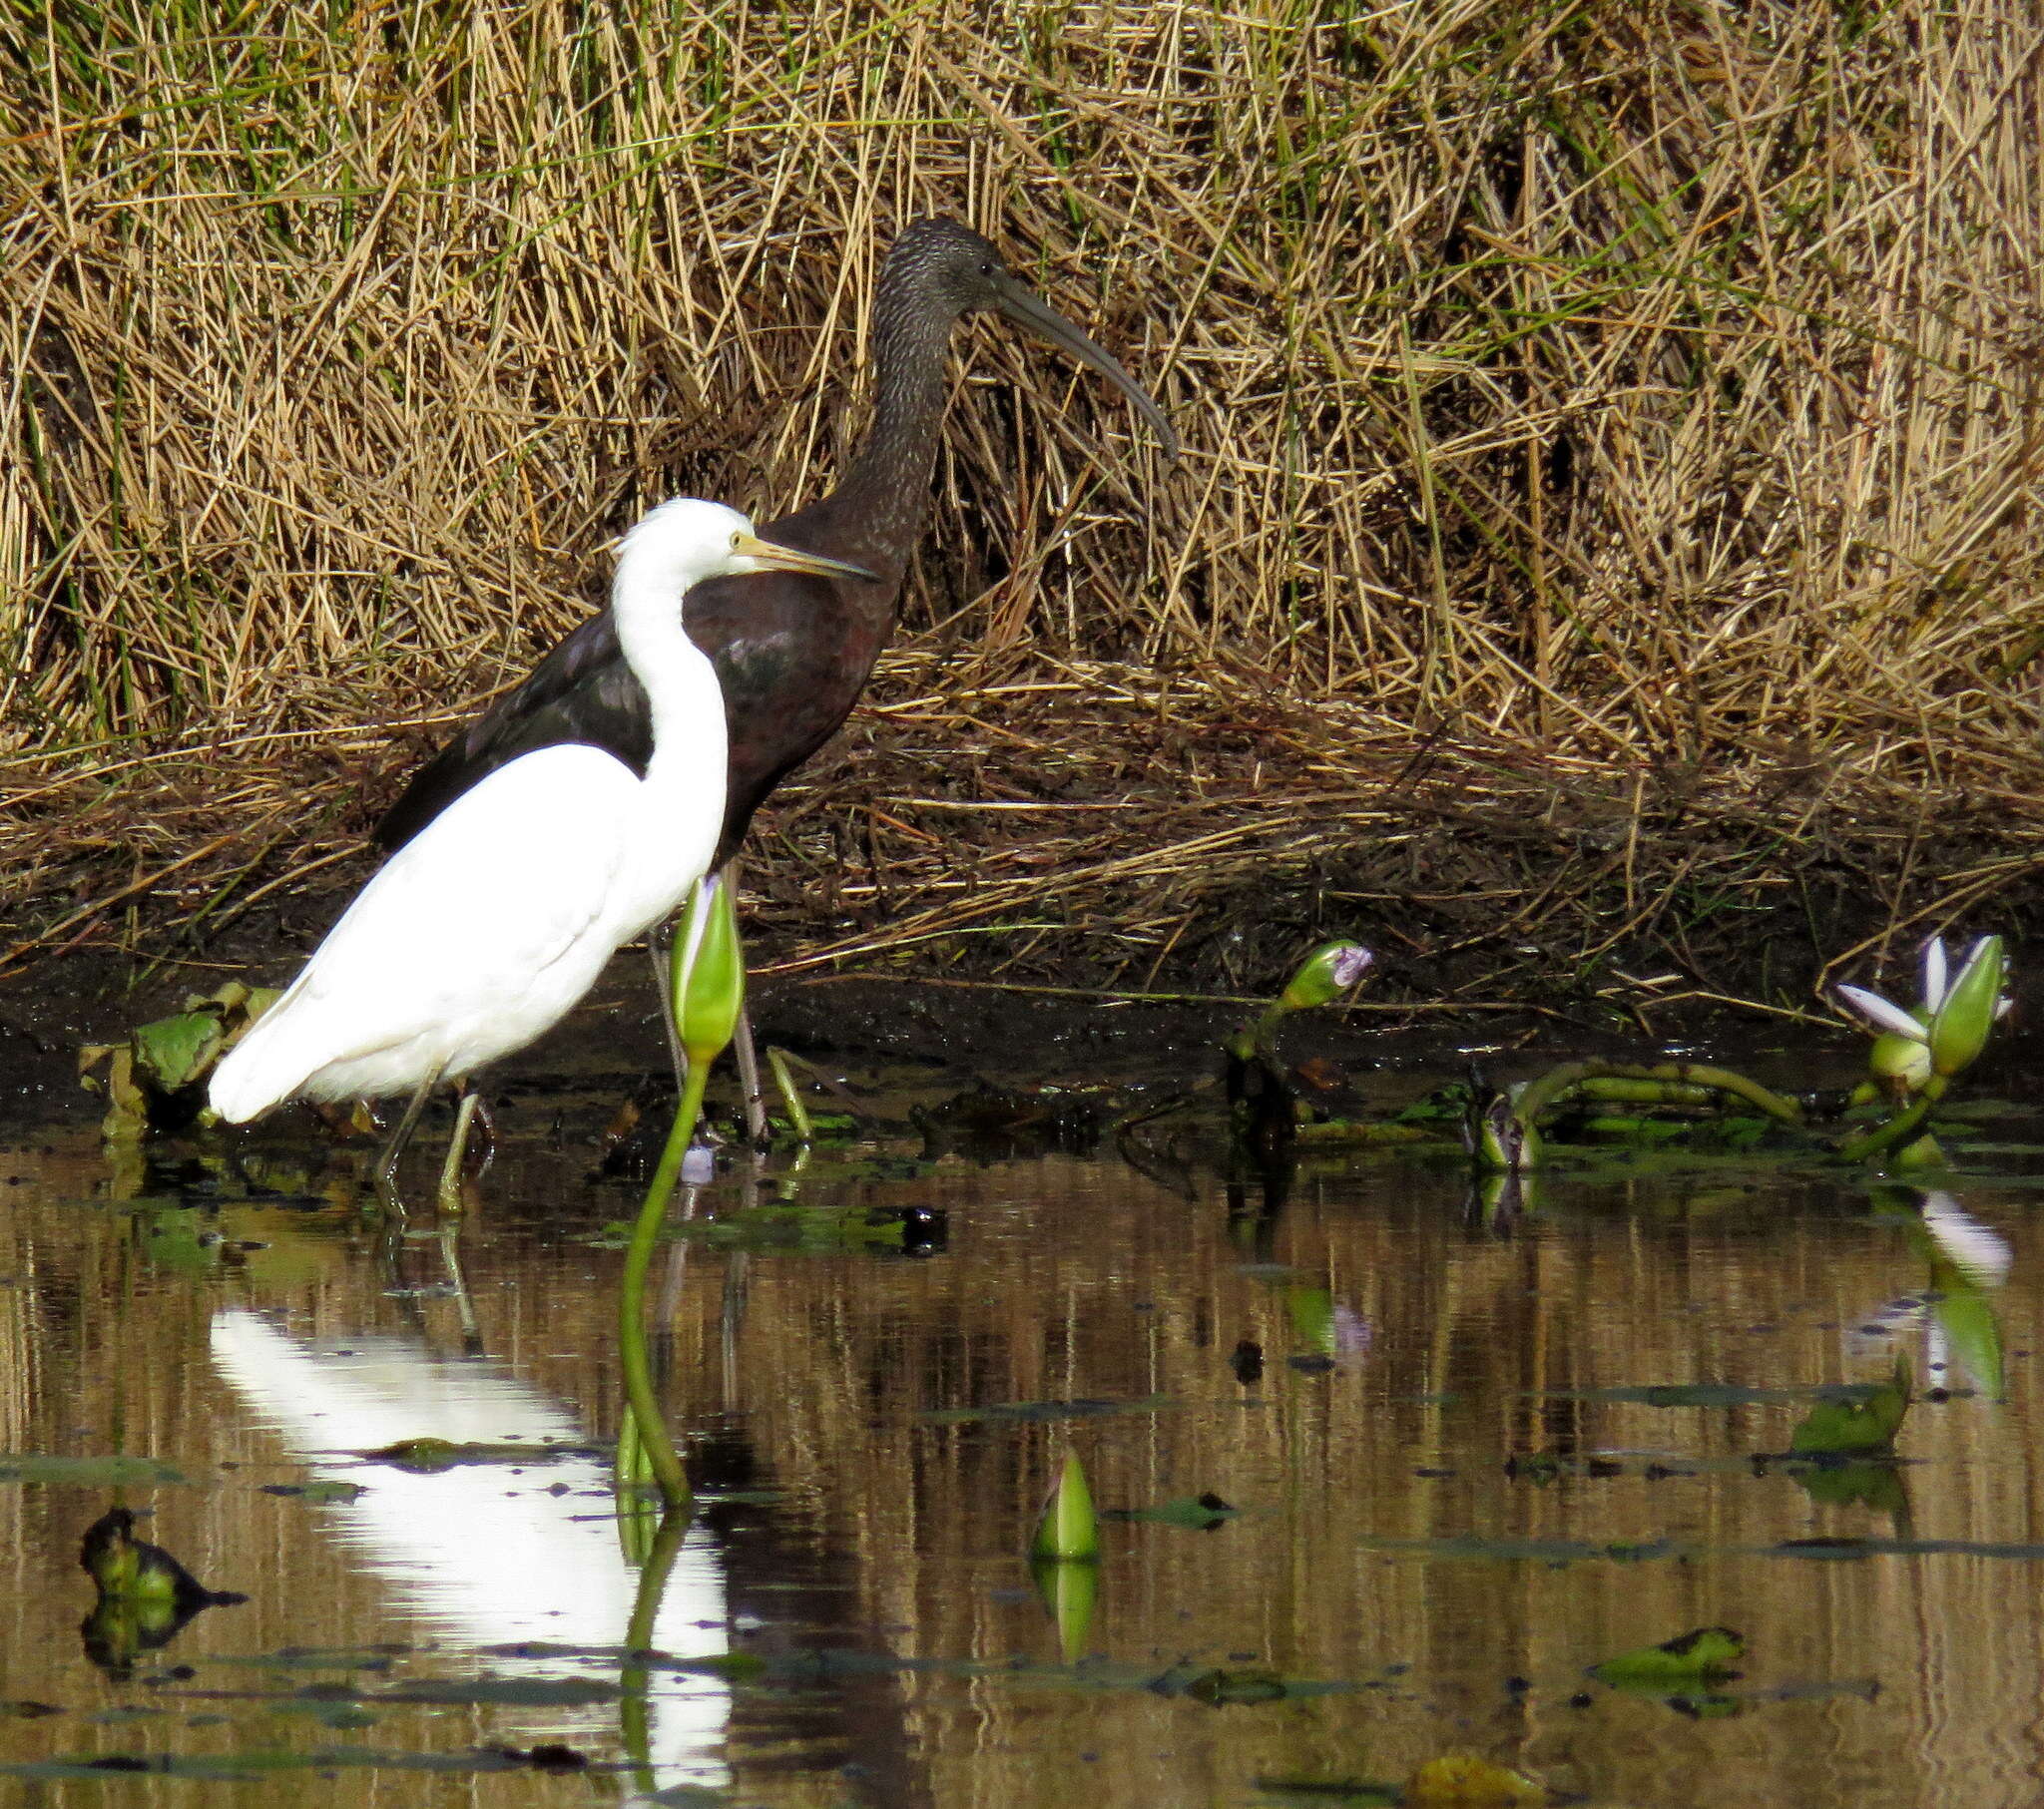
(794, 559)
(1040, 317)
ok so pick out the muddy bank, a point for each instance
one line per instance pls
(1143, 833)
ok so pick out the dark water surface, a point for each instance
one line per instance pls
(1464, 1467)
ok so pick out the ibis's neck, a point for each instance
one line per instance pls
(878, 509)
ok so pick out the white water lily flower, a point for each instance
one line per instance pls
(1883, 1013)
(1908, 1039)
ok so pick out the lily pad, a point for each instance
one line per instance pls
(432, 1455)
(1862, 1425)
(1473, 1782)
(1716, 1393)
(319, 1491)
(113, 1471)
(1346, 1793)
(1195, 1513)
(1708, 1654)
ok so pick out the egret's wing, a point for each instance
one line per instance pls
(458, 930)
(501, 883)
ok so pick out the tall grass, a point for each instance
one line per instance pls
(1650, 381)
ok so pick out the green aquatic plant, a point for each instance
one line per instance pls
(1323, 977)
(156, 1078)
(1262, 1105)
(146, 1596)
(1501, 1130)
(1063, 1558)
(1918, 1050)
(1069, 1529)
(707, 978)
(1706, 1655)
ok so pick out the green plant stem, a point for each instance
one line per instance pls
(798, 1113)
(643, 1405)
(1898, 1128)
(1554, 1084)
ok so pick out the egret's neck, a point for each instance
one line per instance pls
(691, 748)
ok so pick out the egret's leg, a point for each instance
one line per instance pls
(660, 942)
(450, 1170)
(487, 1123)
(386, 1163)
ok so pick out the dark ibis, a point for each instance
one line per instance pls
(793, 651)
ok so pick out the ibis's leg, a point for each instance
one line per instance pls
(450, 1170)
(749, 1080)
(386, 1163)
(747, 1051)
(660, 942)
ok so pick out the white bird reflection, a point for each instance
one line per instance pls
(478, 1557)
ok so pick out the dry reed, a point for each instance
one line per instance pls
(1626, 402)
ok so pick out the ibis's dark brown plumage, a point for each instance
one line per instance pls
(793, 652)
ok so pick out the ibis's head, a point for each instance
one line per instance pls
(939, 256)
(686, 540)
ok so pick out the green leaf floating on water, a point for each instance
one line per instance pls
(1708, 1653)
(1343, 1793)
(87, 1471)
(1857, 1426)
(515, 1692)
(443, 1454)
(1195, 1513)
(315, 1490)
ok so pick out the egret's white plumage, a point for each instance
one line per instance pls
(483, 932)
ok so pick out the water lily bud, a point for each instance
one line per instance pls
(1330, 970)
(1903, 1063)
(709, 972)
(1960, 1028)
(1069, 1531)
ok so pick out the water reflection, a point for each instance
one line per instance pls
(488, 1555)
(1438, 1476)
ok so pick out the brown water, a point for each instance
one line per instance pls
(1455, 1487)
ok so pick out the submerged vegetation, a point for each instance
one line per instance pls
(1605, 529)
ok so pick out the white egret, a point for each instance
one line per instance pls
(486, 929)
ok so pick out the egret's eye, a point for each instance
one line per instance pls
(736, 537)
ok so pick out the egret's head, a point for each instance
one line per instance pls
(939, 257)
(688, 540)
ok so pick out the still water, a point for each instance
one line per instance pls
(1445, 1470)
